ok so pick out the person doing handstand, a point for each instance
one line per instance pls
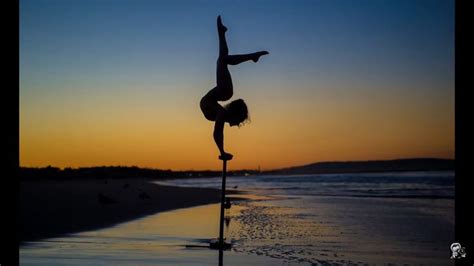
(236, 112)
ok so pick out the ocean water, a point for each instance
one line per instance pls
(384, 185)
(330, 219)
(336, 219)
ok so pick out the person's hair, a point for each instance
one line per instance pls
(237, 112)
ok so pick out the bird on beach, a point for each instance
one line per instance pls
(104, 199)
(143, 195)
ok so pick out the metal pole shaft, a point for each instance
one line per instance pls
(221, 228)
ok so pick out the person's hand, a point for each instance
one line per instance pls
(226, 156)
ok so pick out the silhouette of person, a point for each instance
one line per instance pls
(236, 112)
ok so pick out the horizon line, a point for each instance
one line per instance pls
(268, 170)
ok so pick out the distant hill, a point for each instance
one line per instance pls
(399, 165)
(106, 172)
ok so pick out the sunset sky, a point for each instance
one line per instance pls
(118, 82)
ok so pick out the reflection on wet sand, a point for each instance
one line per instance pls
(158, 239)
(267, 230)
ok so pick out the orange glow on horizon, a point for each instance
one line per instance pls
(178, 137)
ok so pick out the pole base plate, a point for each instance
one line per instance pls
(215, 244)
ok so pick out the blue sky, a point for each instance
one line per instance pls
(381, 57)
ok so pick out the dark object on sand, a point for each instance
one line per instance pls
(213, 244)
(227, 204)
(216, 244)
(105, 200)
(143, 196)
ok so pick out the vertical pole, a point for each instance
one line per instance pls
(221, 227)
(221, 257)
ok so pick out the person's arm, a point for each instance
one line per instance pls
(219, 136)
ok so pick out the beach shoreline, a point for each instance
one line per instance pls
(50, 209)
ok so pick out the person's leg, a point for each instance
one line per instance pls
(224, 89)
(221, 29)
(239, 58)
(224, 56)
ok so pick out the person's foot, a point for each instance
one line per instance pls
(221, 26)
(257, 55)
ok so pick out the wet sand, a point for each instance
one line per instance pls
(303, 230)
(266, 228)
(346, 231)
(159, 239)
(55, 208)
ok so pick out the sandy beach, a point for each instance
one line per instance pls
(357, 219)
(54, 208)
